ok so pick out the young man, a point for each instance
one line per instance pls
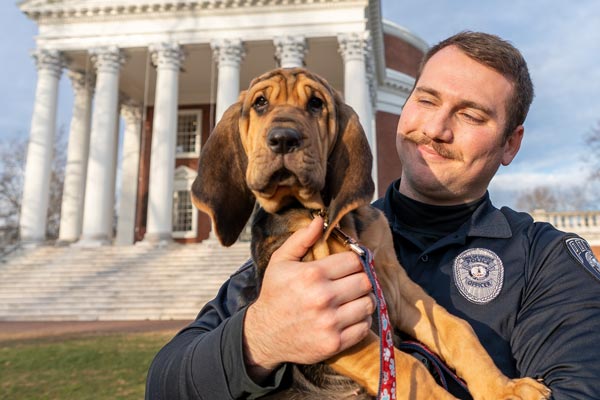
(530, 292)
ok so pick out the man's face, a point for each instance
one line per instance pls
(450, 133)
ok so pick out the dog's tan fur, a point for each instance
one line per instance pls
(330, 171)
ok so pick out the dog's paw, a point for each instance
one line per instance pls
(525, 389)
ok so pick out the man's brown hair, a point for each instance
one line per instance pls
(502, 56)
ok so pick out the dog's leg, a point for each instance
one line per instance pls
(455, 342)
(413, 381)
(416, 313)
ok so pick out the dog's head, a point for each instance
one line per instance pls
(289, 138)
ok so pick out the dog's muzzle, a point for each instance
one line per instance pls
(284, 140)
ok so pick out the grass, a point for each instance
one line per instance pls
(105, 366)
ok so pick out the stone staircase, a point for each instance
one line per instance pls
(139, 282)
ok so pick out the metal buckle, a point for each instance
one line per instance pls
(348, 242)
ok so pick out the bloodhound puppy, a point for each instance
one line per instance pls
(292, 145)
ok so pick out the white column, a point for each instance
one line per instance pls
(71, 215)
(167, 58)
(354, 48)
(34, 206)
(228, 54)
(98, 209)
(290, 51)
(130, 164)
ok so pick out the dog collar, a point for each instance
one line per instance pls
(348, 241)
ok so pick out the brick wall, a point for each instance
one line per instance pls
(144, 174)
(401, 56)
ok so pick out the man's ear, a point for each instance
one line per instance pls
(512, 145)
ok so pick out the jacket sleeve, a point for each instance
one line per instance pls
(556, 333)
(205, 360)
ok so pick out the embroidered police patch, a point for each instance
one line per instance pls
(582, 253)
(478, 275)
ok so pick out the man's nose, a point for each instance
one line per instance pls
(438, 127)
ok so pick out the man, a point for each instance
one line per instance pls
(527, 289)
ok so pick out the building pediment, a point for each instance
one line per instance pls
(49, 9)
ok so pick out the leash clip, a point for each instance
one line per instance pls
(349, 242)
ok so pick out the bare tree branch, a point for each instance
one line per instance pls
(592, 141)
(541, 197)
(12, 167)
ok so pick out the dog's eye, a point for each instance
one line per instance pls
(315, 104)
(260, 104)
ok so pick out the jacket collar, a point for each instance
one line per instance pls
(487, 221)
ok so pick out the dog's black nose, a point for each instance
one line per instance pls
(284, 140)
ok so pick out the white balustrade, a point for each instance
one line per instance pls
(584, 223)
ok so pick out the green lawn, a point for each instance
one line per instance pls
(86, 367)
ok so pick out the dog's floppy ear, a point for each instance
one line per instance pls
(220, 188)
(349, 181)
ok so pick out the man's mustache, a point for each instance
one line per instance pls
(442, 149)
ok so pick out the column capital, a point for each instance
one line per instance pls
(228, 51)
(131, 111)
(52, 61)
(167, 55)
(82, 83)
(290, 50)
(107, 59)
(354, 46)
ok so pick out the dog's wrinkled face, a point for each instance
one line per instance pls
(288, 139)
(287, 127)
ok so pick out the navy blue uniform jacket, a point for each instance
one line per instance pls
(543, 321)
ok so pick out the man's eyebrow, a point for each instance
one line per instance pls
(462, 104)
(428, 90)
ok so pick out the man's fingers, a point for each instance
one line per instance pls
(339, 265)
(355, 318)
(351, 287)
(355, 311)
(296, 246)
(355, 333)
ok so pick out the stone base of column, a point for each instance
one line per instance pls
(93, 241)
(64, 242)
(159, 239)
(30, 243)
(120, 240)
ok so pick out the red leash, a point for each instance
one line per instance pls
(387, 377)
(387, 365)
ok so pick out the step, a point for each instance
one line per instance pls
(131, 282)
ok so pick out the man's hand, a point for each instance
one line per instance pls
(306, 311)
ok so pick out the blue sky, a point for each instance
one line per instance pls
(559, 39)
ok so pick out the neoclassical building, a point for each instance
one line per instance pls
(151, 77)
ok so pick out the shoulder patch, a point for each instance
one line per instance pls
(581, 251)
(478, 275)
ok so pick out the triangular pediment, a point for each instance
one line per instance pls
(50, 8)
(90, 8)
(71, 3)
(34, 5)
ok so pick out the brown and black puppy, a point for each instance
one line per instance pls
(292, 145)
